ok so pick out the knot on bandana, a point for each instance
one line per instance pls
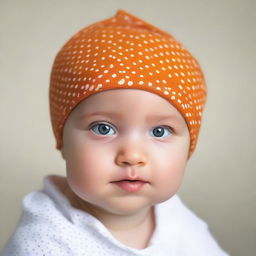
(126, 52)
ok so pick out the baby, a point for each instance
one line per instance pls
(126, 101)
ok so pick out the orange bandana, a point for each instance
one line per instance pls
(126, 52)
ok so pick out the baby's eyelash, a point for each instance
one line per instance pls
(99, 125)
(98, 128)
(171, 129)
(164, 127)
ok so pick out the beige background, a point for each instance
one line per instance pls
(219, 184)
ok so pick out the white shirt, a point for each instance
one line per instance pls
(50, 226)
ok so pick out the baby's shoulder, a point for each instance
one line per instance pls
(190, 230)
(181, 213)
(40, 228)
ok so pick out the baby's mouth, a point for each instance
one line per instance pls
(130, 185)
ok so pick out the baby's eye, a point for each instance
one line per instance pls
(161, 131)
(102, 129)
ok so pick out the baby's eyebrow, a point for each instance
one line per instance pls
(101, 113)
(149, 118)
(172, 117)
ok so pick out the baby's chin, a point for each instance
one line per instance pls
(117, 206)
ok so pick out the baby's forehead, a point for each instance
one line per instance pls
(127, 104)
(129, 98)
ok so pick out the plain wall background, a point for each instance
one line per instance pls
(219, 184)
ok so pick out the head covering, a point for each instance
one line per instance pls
(126, 52)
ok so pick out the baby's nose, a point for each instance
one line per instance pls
(131, 156)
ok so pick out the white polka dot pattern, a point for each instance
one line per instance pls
(51, 226)
(126, 52)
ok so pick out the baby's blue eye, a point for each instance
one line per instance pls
(102, 129)
(159, 131)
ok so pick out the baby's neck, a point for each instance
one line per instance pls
(132, 230)
(136, 235)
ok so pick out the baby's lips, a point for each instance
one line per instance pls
(130, 185)
(131, 179)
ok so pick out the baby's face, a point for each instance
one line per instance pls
(125, 150)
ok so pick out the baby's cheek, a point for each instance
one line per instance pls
(79, 184)
(169, 180)
(83, 174)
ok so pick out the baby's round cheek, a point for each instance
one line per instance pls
(168, 187)
(171, 170)
(79, 182)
